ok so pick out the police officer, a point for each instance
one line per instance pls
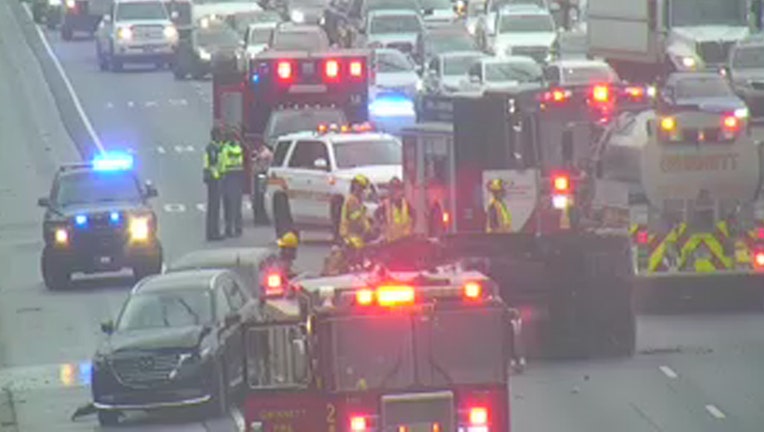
(233, 184)
(212, 180)
(395, 214)
(355, 226)
(498, 218)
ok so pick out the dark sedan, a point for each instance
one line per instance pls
(706, 91)
(177, 342)
(194, 56)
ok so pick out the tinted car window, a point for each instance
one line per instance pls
(702, 87)
(372, 152)
(280, 154)
(526, 23)
(141, 11)
(304, 40)
(589, 74)
(459, 65)
(522, 72)
(306, 153)
(177, 308)
(395, 24)
(438, 43)
(217, 36)
(393, 61)
(92, 187)
(748, 58)
(259, 36)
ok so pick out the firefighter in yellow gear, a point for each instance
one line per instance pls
(288, 252)
(355, 226)
(498, 219)
(395, 214)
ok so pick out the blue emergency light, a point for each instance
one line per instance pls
(113, 161)
(255, 78)
(114, 217)
(392, 106)
(80, 220)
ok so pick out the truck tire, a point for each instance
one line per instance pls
(108, 418)
(335, 211)
(54, 274)
(282, 215)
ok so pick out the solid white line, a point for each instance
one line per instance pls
(715, 412)
(68, 84)
(668, 372)
(161, 150)
(238, 418)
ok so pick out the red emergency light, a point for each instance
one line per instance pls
(274, 284)
(473, 290)
(331, 69)
(358, 424)
(284, 70)
(635, 92)
(643, 237)
(760, 233)
(478, 416)
(556, 95)
(758, 260)
(356, 69)
(730, 123)
(386, 295)
(601, 93)
(561, 183)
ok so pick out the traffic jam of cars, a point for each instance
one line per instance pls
(492, 199)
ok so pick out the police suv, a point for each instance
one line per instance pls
(97, 219)
(311, 173)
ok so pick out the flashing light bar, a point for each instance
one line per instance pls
(601, 93)
(392, 106)
(561, 183)
(113, 162)
(284, 70)
(363, 127)
(274, 284)
(80, 220)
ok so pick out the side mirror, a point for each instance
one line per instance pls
(107, 327)
(300, 360)
(232, 319)
(321, 163)
(151, 191)
(107, 18)
(43, 202)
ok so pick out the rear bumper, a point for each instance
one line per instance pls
(152, 406)
(717, 276)
(81, 22)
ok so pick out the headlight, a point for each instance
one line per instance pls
(139, 228)
(297, 16)
(70, 4)
(170, 32)
(124, 33)
(686, 62)
(61, 236)
(204, 54)
(54, 2)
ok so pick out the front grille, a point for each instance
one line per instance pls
(714, 52)
(143, 370)
(148, 32)
(100, 233)
(406, 47)
(538, 54)
(694, 135)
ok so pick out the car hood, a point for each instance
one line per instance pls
(393, 38)
(545, 39)
(155, 338)
(225, 9)
(711, 33)
(377, 174)
(396, 79)
(74, 210)
(715, 104)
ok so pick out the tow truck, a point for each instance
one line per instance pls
(685, 182)
(570, 281)
(248, 96)
(379, 350)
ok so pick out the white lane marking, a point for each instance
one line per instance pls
(184, 149)
(130, 104)
(177, 102)
(238, 418)
(161, 150)
(174, 208)
(668, 372)
(715, 412)
(109, 105)
(202, 207)
(67, 84)
(164, 268)
(151, 104)
(247, 205)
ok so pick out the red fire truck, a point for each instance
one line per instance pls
(380, 351)
(251, 95)
(574, 282)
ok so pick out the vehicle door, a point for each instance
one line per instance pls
(302, 171)
(242, 305)
(229, 332)
(280, 177)
(318, 181)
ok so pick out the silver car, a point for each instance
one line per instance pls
(516, 72)
(445, 72)
(399, 29)
(745, 70)
(395, 73)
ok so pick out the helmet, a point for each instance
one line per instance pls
(354, 242)
(288, 240)
(396, 183)
(361, 180)
(495, 185)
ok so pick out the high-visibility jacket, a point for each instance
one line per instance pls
(353, 219)
(498, 218)
(212, 160)
(398, 220)
(232, 158)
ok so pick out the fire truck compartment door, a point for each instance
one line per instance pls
(418, 411)
(231, 103)
(521, 196)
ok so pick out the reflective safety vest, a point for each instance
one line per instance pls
(503, 217)
(212, 160)
(353, 219)
(233, 158)
(398, 223)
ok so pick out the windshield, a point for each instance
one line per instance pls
(358, 153)
(459, 65)
(218, 37)
(703, 88)
(522, 72)
(393, 61)
(300, 41)
(176, 308)
(373, 5)
(436, 4)
(442, 43)
(525, 24)
(587, 75)
(286, 122)
(259, 36)
(708, 12)
(395, 24)
(91, 187)
(308, 3)
(141, 11)
(748, 58)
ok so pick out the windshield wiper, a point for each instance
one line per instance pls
(189, 310)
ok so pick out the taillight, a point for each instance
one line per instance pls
(730, 123)
(331, 69)
(473, 290)
(364, 297)
(274, 284)
(446, 218)
(601, 93)
(358, 424)
(284, 70)
(478, 416)
(561, 183)
(643, 237)
(758, 259)
(394, 295)
(556, 95)
(635, 92)
(356, 69)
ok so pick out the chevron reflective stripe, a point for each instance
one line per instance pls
(716, 256)
(658, 247)
(633, 229)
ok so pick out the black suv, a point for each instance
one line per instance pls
(194, 55)
(97, 219)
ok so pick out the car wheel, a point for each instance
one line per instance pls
(54, 275)
(115, 63)
(108, 418)
(66, 33)
(282, 215)
(177, 71)
(218, 405)
(336, 214)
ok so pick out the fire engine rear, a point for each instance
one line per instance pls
(380, 351)
(572, 283)
(248, 95)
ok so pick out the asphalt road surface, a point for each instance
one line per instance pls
(697, 371)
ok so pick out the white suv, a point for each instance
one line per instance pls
(311, 173)
(135, 31)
